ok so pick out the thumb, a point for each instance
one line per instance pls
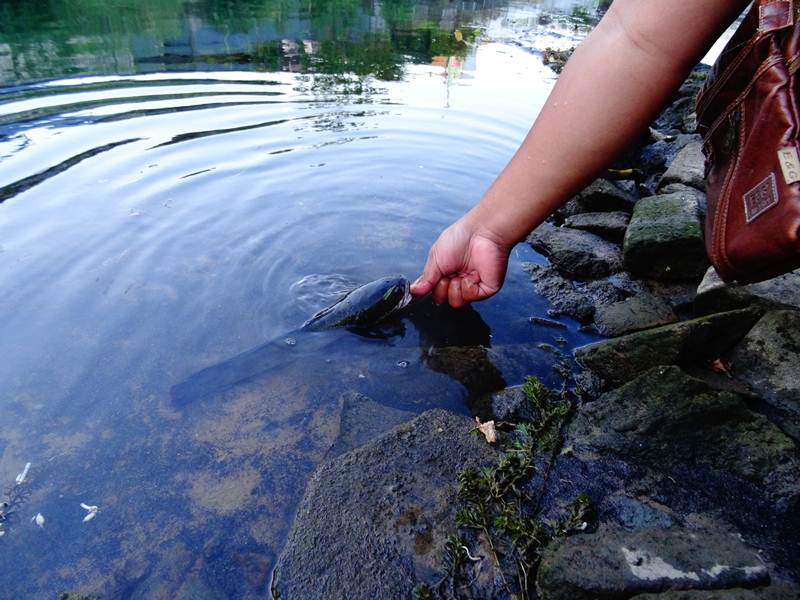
(427, 281)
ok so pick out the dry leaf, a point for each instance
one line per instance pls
(487, 429)
(720, 366)
(458, 35)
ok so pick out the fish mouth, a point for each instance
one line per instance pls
(407, 297)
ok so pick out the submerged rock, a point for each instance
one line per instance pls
(614, 563)
(665, 239)
(575, 253)
(363, 419)
(623, 358)
(374, 521)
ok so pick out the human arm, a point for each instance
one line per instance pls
(610, 90)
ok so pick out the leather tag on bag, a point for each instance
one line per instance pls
(761, 198)
(790, 164)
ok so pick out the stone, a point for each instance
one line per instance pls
(680, 295)
(363, 419)
(672, 422)
(621, 359)
(771, 592)
(714, 295)
(511, 404)
(642, 311)
(610, 226)
(672, 118)
(768, 360)
(633, 513)
(561, 293)
(380, 513)
(600, 196)
(654, 157)
(664, 239)
(688, 168)
(615, 563)
(576, 254)
(699, 196)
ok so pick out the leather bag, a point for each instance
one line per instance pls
(749, 116)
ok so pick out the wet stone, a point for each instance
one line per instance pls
(768, 360)
(615, 563)
(363, 419)
(638, 312)
(511, 404)
(664, 240)
(610, 226)
(600, 196)
(564, 299)
(576, 254)
(381, 513)
(688, 342)
(714, 295)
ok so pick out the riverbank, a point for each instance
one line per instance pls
(667, 466)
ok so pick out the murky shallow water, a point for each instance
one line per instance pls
(183, 182)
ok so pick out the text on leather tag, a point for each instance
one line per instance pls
(761, 198)
(790, 164)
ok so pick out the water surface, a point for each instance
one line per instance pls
(181, 182)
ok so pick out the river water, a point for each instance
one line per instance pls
(184, 181)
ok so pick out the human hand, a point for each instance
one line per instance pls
(465, 264)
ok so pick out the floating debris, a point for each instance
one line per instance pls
(91, 511)
(290, 341)
(402, 364)
(38, 518)
(21, 477)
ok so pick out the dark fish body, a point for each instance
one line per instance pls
(364, 306)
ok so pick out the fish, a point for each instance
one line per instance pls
(365, 306)
(360, 309)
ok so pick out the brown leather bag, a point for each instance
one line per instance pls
(749, 115)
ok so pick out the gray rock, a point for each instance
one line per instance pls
(699, 196)
(632, 513)
(714, 295)
(575, 253)
(678, 294)
(600, 196)
(655, 157)
(768, 360)
(623, 358)
(687, 168)
(561, 293)
(664, 239)
(380, 514)
(638, 312)
(511, 404)
(771, 592)
(672, 422)
(672, 118)
(363, 419)
(615, 563)
(608, 225)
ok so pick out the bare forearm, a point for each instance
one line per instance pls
(612, 87)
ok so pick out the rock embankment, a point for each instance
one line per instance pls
(675, 476)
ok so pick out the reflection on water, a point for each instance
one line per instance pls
(181, 182)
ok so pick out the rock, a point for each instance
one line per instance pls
(772, 592)
(680, 188)
(610, 226)
(600, 196)
(614, 563)
(623, 358)
(380, 513)
(561, 293)
(714, 295)
(574, 253)
(768, 360)
(688, 168)
(673, 422)
(672, 118)
(633, 314)
(633, 513)
(511, 404)
(767, 593)
(363, 419)
(678, 294)
(664, 239)
(654, 157)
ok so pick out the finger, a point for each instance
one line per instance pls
(454, 293)
(470, 288)
(431, 276)
(440, 291)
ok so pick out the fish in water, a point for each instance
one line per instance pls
(364, 306)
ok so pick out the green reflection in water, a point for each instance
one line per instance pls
(42, 39)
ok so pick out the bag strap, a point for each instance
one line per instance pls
(777, 14)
